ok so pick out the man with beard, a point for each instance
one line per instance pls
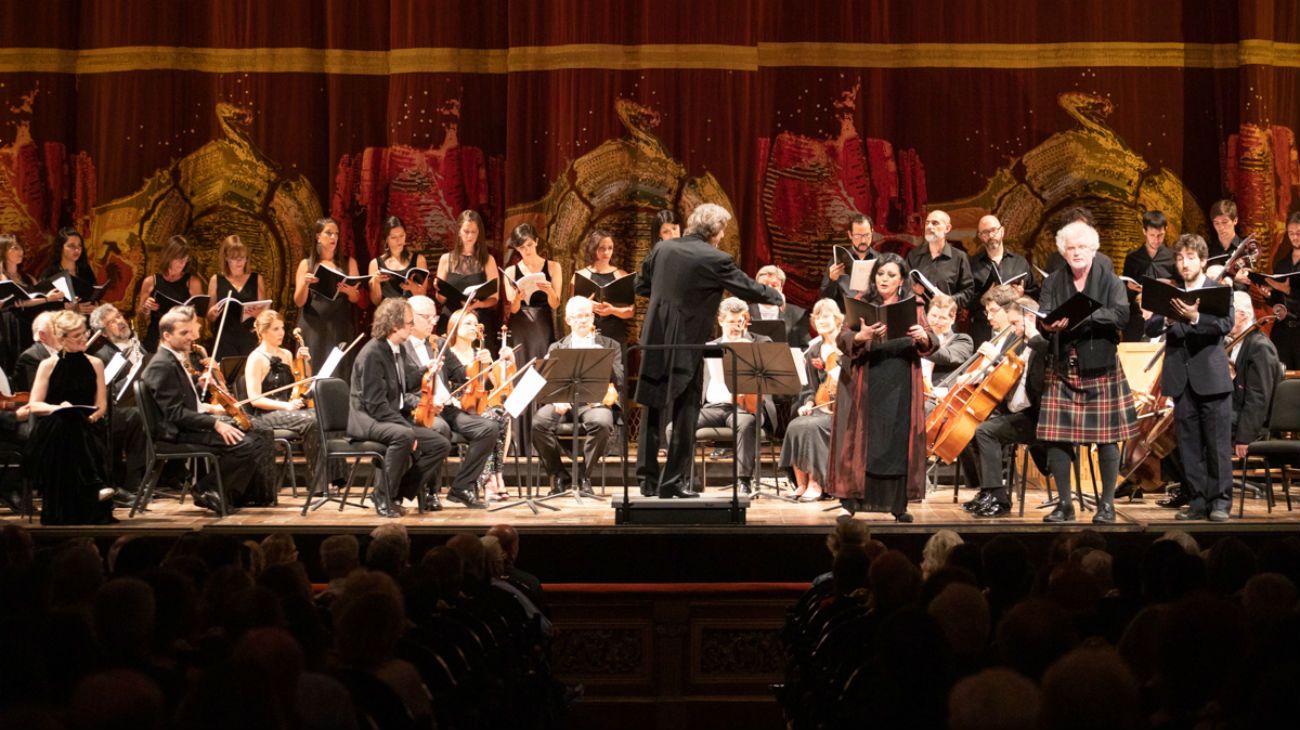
(946, 267)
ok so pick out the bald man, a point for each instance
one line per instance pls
(946, 267)
(994, 265)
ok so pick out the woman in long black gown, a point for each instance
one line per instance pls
(326, 322)
(70, 258)
(234, 280)
(611, 321)
(469, 263)
(64, 461)
(172, 286)
(395, 256)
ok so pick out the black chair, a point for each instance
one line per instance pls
(331, 396)
(564, 431)
(158, 453)
(1275, 449)
(12, 458)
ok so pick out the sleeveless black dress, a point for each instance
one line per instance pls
(238, 338)
(301, 422)
(167, 294)
(609, 325)
(533, 326)
(393, 286)
(64, 461)
(325, 323)
(486, 317)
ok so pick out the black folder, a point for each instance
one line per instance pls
(898, 317)
(1076, 309)
(456, 298)
(416, 275)
(773, 328)
(328, 279)
(1158, 297)
(618, 293)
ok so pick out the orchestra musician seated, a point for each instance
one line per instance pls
(595, 419)
(44, 346)
(954, 347)
(1257, 370)
(183, 418)
(806, 445)
(480, 434)
(126, 430)
(733, 319)
(1015, 419)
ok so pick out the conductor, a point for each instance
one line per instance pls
(684, 279)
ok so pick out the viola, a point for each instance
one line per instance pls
(218, 395)
(15, 401)
(301, 371)
(474, 396)
(503, 374)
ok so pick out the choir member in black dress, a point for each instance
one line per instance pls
(1086, 399)
(70, 258)
(269, 367)
(991, 266)
(878, 437)
(598, 252)
(946, 267)
(806, 446)
(327, 322)
(1154, 259)
(64, 461)
(173, 285)
(16, 316)
(245, 459)
(396, 256)
(380, 408)
(835, 282)
(532, 317)
(469, 263)
(233, 279)
(1286, 260)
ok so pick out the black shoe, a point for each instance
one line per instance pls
(678, 492)
(993, 509)
(903, 517)
(124, 498)
(1060, 515)
(585, 490)
(432, 503)
(649, 490)
(1177, 499)
(465, 498)
(1191, 514)
(981, 500)
(1126, 489)
(563, 481)
(208, 500)
(1105, 514)
(384, 510)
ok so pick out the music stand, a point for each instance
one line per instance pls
(763, 368)
(576, 376)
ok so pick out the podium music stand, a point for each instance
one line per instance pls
(575, 376)
(762, 368)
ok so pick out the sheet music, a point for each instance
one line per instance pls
(717, 390)
(5, 390)
(61, 283)
(114, 367)
(797, 354)
(331, 364)
(528, 284)
(925, 282)
(130, 378)
(526, 389)
(860, 278)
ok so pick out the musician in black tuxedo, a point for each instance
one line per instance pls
(1195, 375)
(125, 424)
(184, 419)
(44, 346)
(595, 419)
(794, 316)
(954, 349)
(684, 279)
(380, 403)
(1258, 371)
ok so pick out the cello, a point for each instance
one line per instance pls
(978, 396)
(955, 398)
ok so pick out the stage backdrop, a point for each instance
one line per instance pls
(137, 120)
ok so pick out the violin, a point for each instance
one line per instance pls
(218, 395)
(15, 401)
(301, 371)
(503, 374)
(474, 397)
(423, 414)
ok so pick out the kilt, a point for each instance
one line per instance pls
(1087, 410)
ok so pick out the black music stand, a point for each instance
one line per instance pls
(762, 368)
(575, 376)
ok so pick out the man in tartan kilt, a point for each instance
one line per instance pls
(1086, 399)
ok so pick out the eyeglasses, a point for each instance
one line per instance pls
(860, 236)
(989, 232)
(422, 315)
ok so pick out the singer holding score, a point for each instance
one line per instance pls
(326, 316)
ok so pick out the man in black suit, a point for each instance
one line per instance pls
(43, 346)
(380, 402)
(684, 279)
(954, 347)
(596, 420)
(184, 419)
(1195, 375)
(835, 281)
(1258, 371)
(794, 316)
(480, 433)
(125, 424)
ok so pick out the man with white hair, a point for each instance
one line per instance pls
(44, 345)
(127, 428)
(1257, 371)
(992, 266)
(596, 420)
(684, 279)
(946, 267)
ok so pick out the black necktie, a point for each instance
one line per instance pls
(401, 376)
